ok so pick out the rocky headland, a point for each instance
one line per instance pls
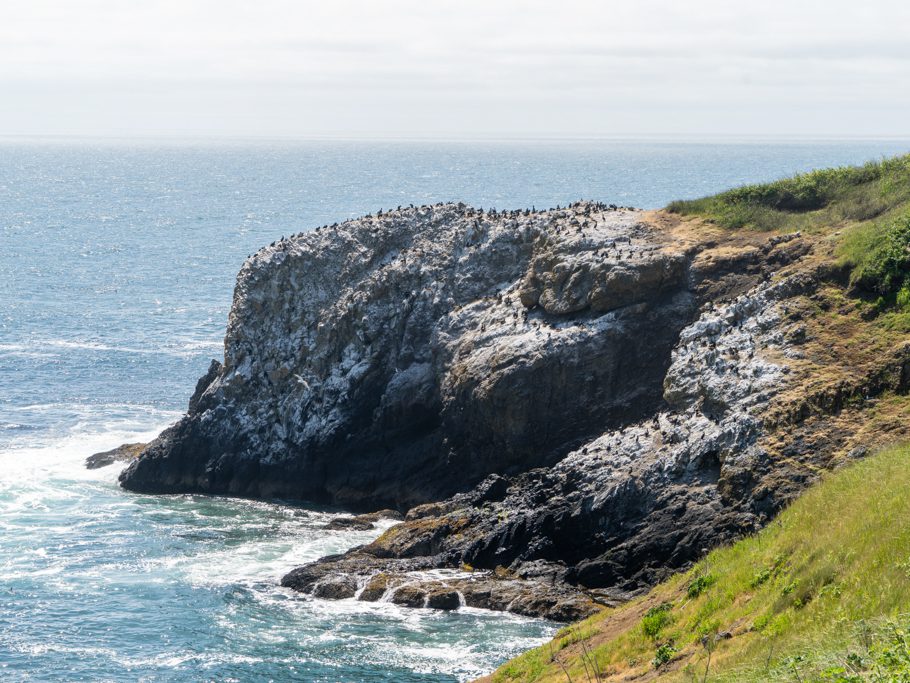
(566, 405)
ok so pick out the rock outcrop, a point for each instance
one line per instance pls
(449, 589)
(396, 360)
(124, 453)
(627, 507)
(570, 404)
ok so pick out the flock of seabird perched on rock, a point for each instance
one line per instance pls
(587, 209)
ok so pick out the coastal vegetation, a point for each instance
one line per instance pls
(878, 254)
(818, 200)
(821, 594)
(866, 209)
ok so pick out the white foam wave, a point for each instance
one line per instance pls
(84, 427)
(273, 550)
(74, 533)
(30, 471)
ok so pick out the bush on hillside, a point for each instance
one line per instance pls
(886, 269)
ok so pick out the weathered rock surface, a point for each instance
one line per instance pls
(570, 403)
(395, 360)
(124, 453)
(412, 586)
(627, 507)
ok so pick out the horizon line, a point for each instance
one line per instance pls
(486, 138)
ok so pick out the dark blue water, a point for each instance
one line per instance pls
(116, 269)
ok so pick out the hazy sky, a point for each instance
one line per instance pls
(458, 68)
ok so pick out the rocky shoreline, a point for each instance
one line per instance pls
(620, 512)
(567, 404)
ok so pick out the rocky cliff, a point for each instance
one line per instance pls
(570, 403)
(399, 359)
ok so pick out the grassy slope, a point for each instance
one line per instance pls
(820, 594)
(866, 209)
(810, 201)
(824, 587)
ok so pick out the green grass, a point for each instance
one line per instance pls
(809, 201)
(821, 594)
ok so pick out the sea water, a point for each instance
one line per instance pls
(117, 263)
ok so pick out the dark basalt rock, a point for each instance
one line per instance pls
(375, 588)
(124, 453)
(348, 524)
(363, 522)
(409, 596)
(407, 583)
(443, 598)
(337, 588)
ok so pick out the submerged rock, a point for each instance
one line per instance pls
(363, 522)
(348, 524)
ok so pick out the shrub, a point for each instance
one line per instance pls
(761, 577)
(903, 296)
(885, 266)
(700, 585)
(655, 620)
(663, 655)
(839, 674)
(892, 657)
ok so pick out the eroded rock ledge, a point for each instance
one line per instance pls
(417, 583)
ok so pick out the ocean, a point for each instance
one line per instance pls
(117, 263)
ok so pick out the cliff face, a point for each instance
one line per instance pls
(628, 506)
(573, 402)
(395, 360)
